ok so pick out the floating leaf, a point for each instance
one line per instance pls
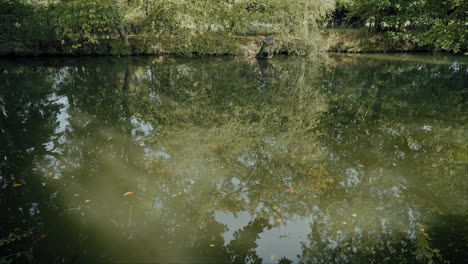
(193, 182)
(109, 138)
(87, 201)
(76, 195)
(17, 185)
(291, 190)
(344, 223)
(43, 236)
(354, 215)
(212, 245)
(17, 229)
(360, 165)
(128, 193)
(277, 209)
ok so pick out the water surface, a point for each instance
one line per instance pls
(343, 159)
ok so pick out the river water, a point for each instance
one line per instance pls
(336, 159)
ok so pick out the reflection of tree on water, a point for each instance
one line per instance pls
(155, 129)
(390, 144)
(27, 121)
(268, 72)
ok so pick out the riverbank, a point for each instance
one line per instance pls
(361, 41)
(334, 40)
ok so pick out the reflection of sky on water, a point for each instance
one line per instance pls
(273, 244)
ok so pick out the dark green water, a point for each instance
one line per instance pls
(345, 159)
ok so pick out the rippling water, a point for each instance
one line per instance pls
(342, 159)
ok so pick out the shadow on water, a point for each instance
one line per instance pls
(224, 160)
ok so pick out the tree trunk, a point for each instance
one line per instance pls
(123, 35)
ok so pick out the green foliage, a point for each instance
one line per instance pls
(202, 27)
(25, 28)
(451, 33)
(439, 24)
(86, 21)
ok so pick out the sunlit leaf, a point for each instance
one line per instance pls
(128, 193)
(17, 185)
(87, 201)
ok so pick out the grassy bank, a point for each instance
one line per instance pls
(335, 40)
(361, 41)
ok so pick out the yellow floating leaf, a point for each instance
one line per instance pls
(212, 245)
(193, 182)
(422, 229)
(109, 138)
(87, 201)
(76, 195)
(128, 193)
(344, 223)
(360, 165)
(17, 185)
(354, 215)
